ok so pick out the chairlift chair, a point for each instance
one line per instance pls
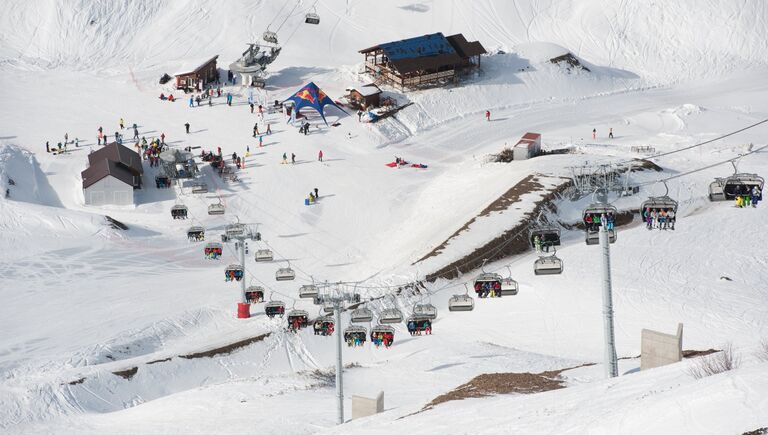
(162, 182)
(509, 286)
(425, 311)
(263, 255)
(274, 308)
(361, 315)
(254, 294)
(285, 274)
(724, 189)
(461, 303)
(301, 315)
(269, 36)
(324, 322)
(327, 308)
(390, 315)
(548, 265)
(234, 230)
(492, 279)
(216, 209)
(308, 291)
(179, 211)
(355, 332)
(382, 330)
(199, 188)
(312, 17)
(196, 234)
(233, 272)
(548, 236)
(592, 236)
(213, 251)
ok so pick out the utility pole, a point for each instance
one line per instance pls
(338, 305)
(610, 362)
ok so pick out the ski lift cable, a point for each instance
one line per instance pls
(298, 3)
(703, 168)
(277, 15)
(700, 143)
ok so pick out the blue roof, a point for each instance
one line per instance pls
(420, 46)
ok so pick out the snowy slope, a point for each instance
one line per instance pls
(83, 301)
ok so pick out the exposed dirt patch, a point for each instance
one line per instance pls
(226, 349)
(761, 431)
(697, 353)
(76, 381)
(127, 374)
(511, 242)
(490, 384)
(159, 361)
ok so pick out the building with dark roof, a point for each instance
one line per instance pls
(113, 172)
(197, 75)
(423, 60)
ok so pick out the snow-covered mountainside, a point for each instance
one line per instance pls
(106, 330)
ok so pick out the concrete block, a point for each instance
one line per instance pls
(659, 349)
(364, 406)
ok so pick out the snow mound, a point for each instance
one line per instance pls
(539, 52)
(29, 183)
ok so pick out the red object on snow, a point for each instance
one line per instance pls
(243, 311)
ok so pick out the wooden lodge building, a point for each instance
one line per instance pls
(196, 76)
(423, 60)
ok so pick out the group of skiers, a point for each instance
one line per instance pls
(233, 275)
(416, 326)
(170, 97)
(297, 322)
(488, 289)
(212, 253)
(540, 244)
(746, 196)
(354, 339)
(151, 151)
(661, 219)
(379, 338)
(593, 221)
(197, 236)
(254, 297)
(323, 327)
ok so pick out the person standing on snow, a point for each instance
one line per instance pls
(162, 138)
(320, 156)
(610, 133)
(285, 158)
(487, 115)
(186, 126)
(269, 129)
(191, 101)
(317, 195)
(293, 158)
(261, 141)
(594, 133)
(122, 124)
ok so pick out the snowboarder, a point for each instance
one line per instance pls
(122, 124)
(47, 147)
(487, 115)
(186, 126)
(610, 133)
(594, 133)
(320, 156)
(293, 158)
